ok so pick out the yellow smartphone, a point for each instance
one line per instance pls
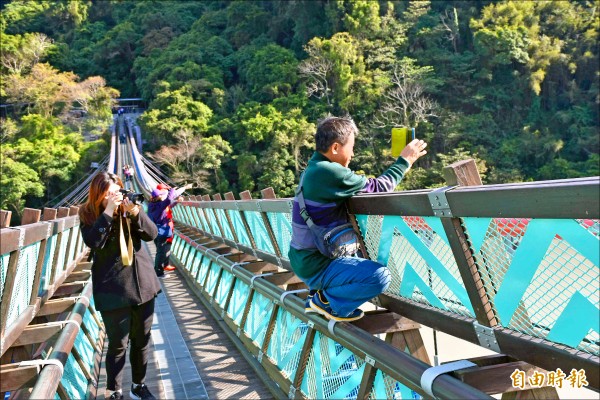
(400, 138)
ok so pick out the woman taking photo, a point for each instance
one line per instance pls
(123, 279)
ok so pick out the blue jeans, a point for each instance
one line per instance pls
(348, 282)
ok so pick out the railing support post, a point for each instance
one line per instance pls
(464, 173)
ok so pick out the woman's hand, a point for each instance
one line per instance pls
(130, 207)
(113, 200)
(414, 150)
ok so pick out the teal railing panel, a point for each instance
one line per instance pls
(74, 236)
(225, 224)
(542, 275)
(420, 260)
(185, 254)
(85, 349)
(204, 266)
(385, 387)
(238, 301)
(240, 229)
(213, 275)
(47, 265)
(176, 246)
(281, 223)
(223, 289)
(332, 372)
(90, 325)
(25, 275)
(60, 262)
(195, 264)
(286, 342)
(4, 258)
(199, 217)
(259, 232)
(73, 380)
(258, 318)
(212, 222)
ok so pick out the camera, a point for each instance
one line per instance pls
(135, 198)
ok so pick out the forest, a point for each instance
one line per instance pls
(235, 88)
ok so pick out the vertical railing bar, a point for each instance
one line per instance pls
(9, 286)
(366, 383)
(464, 173)
(39, 266)
(303, 361)
(247, 196)
(229, 197)
(268, 193)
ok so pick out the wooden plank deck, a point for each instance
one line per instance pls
(191, 356)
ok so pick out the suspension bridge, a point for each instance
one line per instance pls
(510, 270)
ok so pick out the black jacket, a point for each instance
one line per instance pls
(116, 286)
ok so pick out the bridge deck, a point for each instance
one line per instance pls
(191, 356)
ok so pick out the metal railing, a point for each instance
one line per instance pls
(52, 337)
(513, 268)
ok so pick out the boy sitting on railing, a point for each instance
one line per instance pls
(339, 285)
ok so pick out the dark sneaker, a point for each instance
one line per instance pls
(322, 307)
(307, 309)
(116, 396)
(141, 392)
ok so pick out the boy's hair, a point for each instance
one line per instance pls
(334, 129)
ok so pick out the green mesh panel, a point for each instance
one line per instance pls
(24, 281)
(197, 256)
(420, 260)
(259, 232)
(224, 224)
(332, 371)
(47, 265)
(3, 267)
(212, 278)
(73, 380)
(258, 318)
(223, 289)
(281, 223)
(286, 342)
(543, 276)
(85, 350)
(385, 387)
(238, 301)
(240, 229)
(204, 266)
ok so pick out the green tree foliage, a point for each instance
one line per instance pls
(512, 83)
(16, 182)
(172, 112)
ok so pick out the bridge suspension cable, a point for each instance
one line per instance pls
(75, 190)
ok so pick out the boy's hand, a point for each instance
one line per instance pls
(414, 150)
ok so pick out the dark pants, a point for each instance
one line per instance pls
(133, 323)
(163, 251)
